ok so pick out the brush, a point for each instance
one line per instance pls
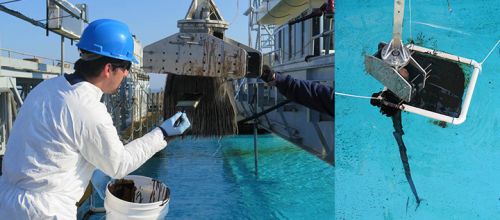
(188, 101)
(215, 115)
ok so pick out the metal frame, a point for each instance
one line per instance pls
(468, 96)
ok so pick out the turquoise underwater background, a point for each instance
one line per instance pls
(456, 169)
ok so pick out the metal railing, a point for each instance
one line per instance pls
(35, 58)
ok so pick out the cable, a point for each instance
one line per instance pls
(1, 3)
(356, 96)
(491, 51)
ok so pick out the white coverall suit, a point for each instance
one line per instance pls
(61, 135)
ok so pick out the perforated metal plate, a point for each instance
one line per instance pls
(195, 54)
(388, 77)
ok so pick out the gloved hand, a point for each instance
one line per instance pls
(267, 74)
(387, 98)
(168, 126)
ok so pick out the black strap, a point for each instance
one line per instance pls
(398, 134)
(73, 78)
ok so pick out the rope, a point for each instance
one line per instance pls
(491, 51)
(356, 96)
(411, 34)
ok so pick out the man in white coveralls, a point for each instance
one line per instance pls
(63, 132)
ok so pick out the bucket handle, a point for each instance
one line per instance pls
(164, 202)
(167, 196)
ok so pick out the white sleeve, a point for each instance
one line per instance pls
(106, 152)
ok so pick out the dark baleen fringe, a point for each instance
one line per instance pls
(215, 115)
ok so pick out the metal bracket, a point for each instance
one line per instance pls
(389, 77)
(422, 71)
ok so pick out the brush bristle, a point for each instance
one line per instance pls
(215, 115)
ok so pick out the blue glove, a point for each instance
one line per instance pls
(171, 128)
(99, 181)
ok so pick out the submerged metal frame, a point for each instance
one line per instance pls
(468, 95)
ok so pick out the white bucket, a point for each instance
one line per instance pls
(142, 208)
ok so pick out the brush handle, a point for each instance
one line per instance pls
(179, 120)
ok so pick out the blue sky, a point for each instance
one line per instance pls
(149, 20)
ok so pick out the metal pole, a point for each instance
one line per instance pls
(255, 151)
(62, 55)
(123, 106)
(3, 117)
(139, 106)
(148, 103)
(250, 23)
(9, 114)
(258, 40)
(15, 92)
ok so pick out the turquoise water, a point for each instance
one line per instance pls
(455, 169)
(209, 179)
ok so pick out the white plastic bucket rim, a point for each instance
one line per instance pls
(120, 209)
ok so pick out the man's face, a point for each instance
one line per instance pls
(116, 75)
(119, 75)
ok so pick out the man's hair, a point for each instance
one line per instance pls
(92, 67)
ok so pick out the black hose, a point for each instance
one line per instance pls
(257, 115)
(398, 135)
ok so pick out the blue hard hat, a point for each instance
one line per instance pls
(110, 38)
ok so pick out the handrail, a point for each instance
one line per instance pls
(54, 61)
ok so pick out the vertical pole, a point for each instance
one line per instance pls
(148, 99)
(156, 109)
(139, 106)
(3, 120)
(9, 114)
(255, 121)
(62, 55)
(250, 23)
(123, 107)
(257, 40)
(47, 18)
(162, 97)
